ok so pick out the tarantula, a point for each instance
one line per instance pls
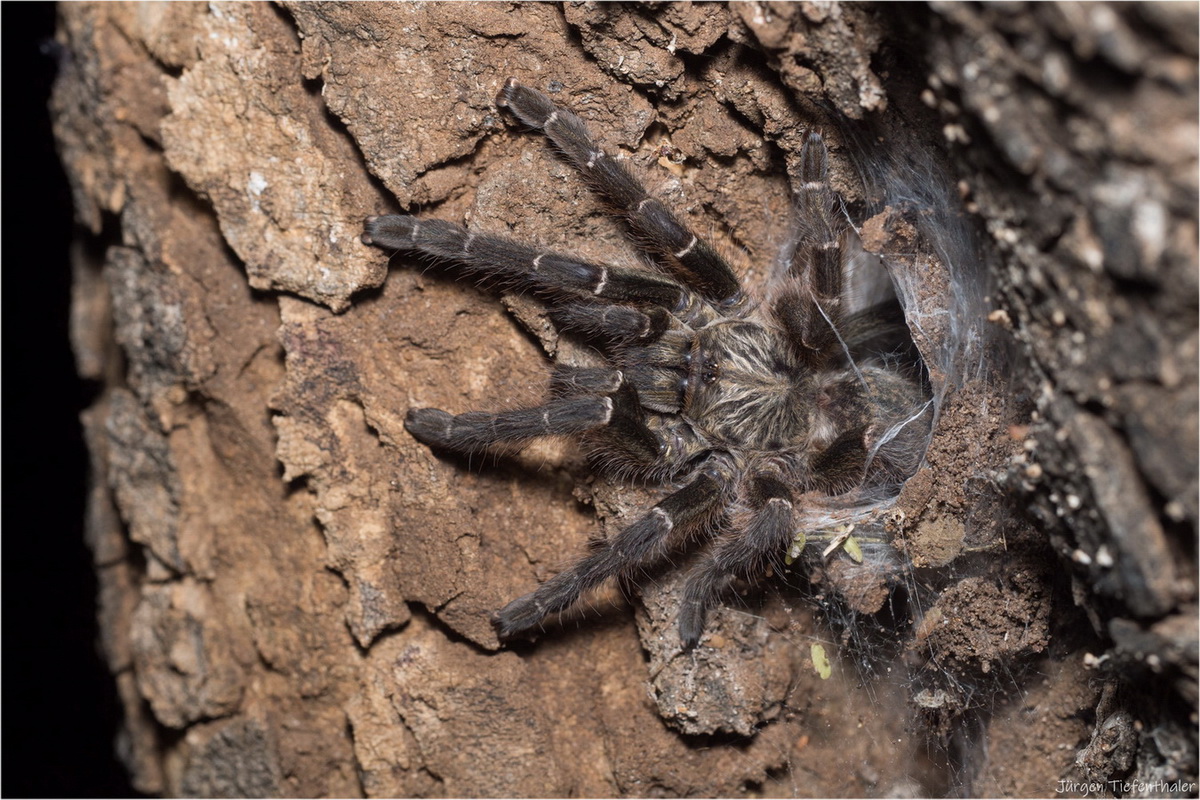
(739, 406)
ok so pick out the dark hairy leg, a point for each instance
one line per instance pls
(641, 545)
(589, 398)
(809, 307)
(521, 266)
(699, 264)
(475, 430)
(739, 552)
(613, 324)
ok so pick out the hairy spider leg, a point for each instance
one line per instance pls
(613, 325)
(748, 547)
(809, 306)
(520, 265)
(567, 380)
(627, 439)
(476, 430)
(839, 467)
(699, 265)
(643, 544)
(580, 411)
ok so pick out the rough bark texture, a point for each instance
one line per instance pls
(295, 594)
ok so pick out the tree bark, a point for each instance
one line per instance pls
(295, 595)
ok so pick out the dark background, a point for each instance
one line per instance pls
(60, 712)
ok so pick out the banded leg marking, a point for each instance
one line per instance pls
(810, 309)
(641, 545)
(529, 269)
(475, 430)
(701, 266)
(740, 552)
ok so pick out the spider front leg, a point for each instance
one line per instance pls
(521, 266)
(747, 548)
(643, 544)
(809, 306)
(696, 260)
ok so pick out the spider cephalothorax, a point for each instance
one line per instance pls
(739, 407)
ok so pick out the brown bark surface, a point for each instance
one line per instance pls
(295, 594)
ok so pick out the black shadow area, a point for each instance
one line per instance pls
(59, 711)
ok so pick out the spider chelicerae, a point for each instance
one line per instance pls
(742, 407)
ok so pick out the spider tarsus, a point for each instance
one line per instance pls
(502, 98)
(691, 625)
(368, 229)
(521, 615)
(430, 426)
(532, 107)
(390, 230)
(518, 617)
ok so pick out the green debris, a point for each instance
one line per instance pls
(842, 533)
(796, 548)
(821, 662)
(853, 550)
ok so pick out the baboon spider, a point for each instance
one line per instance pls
(740, 407)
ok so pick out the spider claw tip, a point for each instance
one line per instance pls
(510, 86)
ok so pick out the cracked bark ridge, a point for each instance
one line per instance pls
(294, 595)
(1074, 129)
